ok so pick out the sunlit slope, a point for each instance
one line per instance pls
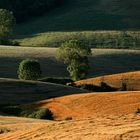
(92, 104)
(130, 79)
(119, 127)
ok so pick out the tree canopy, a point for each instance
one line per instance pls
(7, 23)
(75, 55)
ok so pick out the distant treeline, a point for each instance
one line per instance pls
(24, 9)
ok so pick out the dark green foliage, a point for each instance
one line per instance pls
(78, 67)
(24, 9)
(107, 39)
(103, 88)
(57, 80)
(90, 87)
(75, 54)
(42, 113)
(7, 22)
(29, 70)
(138, 110)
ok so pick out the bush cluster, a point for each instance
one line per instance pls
(42, 113)
(29, 70)
(103, 88)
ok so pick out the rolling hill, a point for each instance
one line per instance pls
(102, 62)
(95, 116)
(21, 92)
(102, 128)
(79, 106)
(75, 16)
(78, 15)
(131, 79)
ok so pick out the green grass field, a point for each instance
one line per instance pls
(78, 19)
(103, 61)
(98, 39)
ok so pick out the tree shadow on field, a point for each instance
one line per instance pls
(99, 65)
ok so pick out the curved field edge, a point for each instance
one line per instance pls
(79, 106)
(130, 79)
(20, 92)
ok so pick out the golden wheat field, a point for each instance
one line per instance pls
(131, 79)
(94, 116)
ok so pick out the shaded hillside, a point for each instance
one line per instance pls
(102, 62)
(124, 7)
(129, 8)
(76, 15)
(25, 9)
(20, 92)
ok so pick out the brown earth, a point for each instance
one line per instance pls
(132, 80)
(95, 116)
(81, 106)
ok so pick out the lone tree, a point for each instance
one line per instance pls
(75, 54)
(29, 70)
(7, 22)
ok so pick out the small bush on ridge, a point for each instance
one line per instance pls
(29, 70)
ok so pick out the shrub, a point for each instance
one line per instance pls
(138, 110)
(68, 118)
(43, 113)
(103, 88)
(75, 54)
(29, 70)
(90, 87)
